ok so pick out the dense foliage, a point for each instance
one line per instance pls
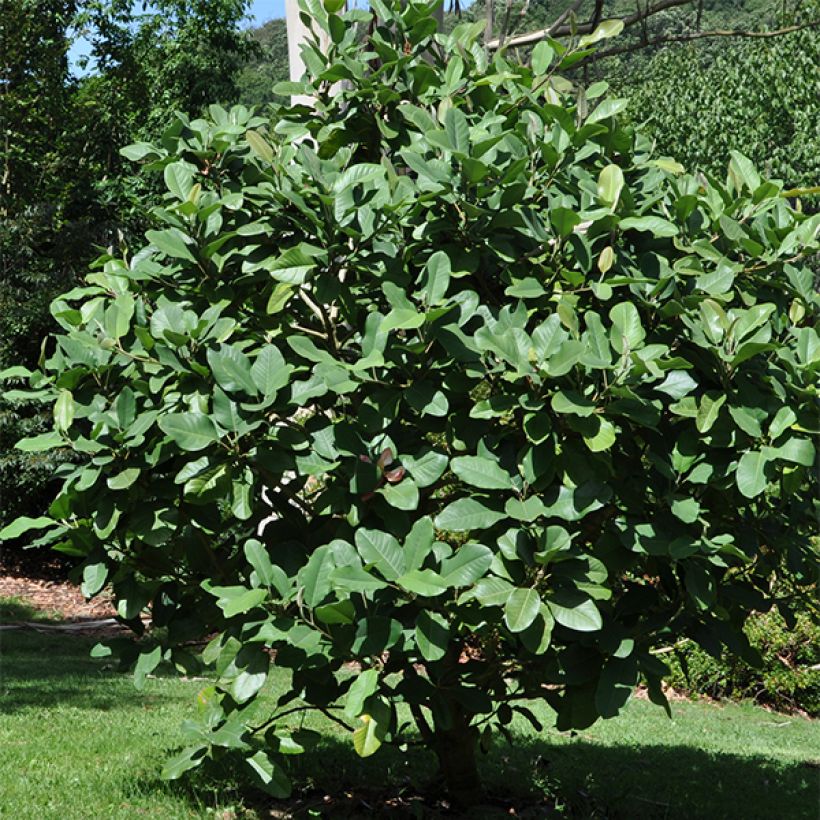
(449, 378)
(757, 96)
(787, 680)
(65, 191)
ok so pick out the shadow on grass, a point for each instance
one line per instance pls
(40, 671)
(534, 778)
(541, 776)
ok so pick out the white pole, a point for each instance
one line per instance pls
(297, 34)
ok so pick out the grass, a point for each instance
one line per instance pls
(13, 609)
(79, 742)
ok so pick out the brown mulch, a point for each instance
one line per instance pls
(39, 578)
(59, 600)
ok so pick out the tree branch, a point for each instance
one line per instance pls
(560, 28)
(700, 35)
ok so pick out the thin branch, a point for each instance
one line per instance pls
(560, 29)
(505, 25)
(700, 35)
(562, 18)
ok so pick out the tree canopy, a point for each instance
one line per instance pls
(448, 377)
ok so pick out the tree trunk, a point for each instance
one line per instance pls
(455, 748)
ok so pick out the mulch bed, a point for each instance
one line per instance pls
(40, 579)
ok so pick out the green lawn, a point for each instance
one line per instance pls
(77, 741)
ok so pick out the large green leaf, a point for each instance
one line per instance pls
(382, 550)
(751, 473)
(521, 609)
(24, 524)
(432, 635)
(481, 472)
(575, 611)
(232, 369)
(191, 431)
(610, 185)
(467, 565)
(467, 514)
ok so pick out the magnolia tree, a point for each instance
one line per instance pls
(443, 395)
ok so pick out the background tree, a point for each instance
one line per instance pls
(525, 402)
(67, 192)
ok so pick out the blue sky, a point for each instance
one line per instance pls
(260, 12)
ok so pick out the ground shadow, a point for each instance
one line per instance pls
(543, 776)
(38, 671)
(536, 778)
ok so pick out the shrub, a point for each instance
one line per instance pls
(447, 378)
(788, 678)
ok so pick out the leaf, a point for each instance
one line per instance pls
(436, 278)
(314, 577)
(240, 600)
(677, 384)
(146, 664)
(24, 524)
(64, 410)
(269, 775)
(427, 469)
(38, 444)
(604, 438)
(190, 431)
(365, 684)
(627, 330)
(467, 565)
(368, 737)
(355, 579)
(419, 542)
(605, 30)
(478, 471)
(257, 556)
(231, 369)
(382, 550)
(796, 450)
(651, 224)
(575, 611)
(340, 612)
(94, 578)
(124, 479)
(708, 412)
(570, 402)
(423, 582)
(260, 146)
(179, 179)
(172, 242)
(783, 419)
(521, 609)
(432, 635)
(492, 591)
(610, 185)
(403, 496)
(186, 760)
(606, 259)
(269, 371)
(615, 685)
(608, 108)
(458, 131)
(542, 56)
(467, 514)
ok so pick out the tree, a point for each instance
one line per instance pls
(65, 191)
(447, 377)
